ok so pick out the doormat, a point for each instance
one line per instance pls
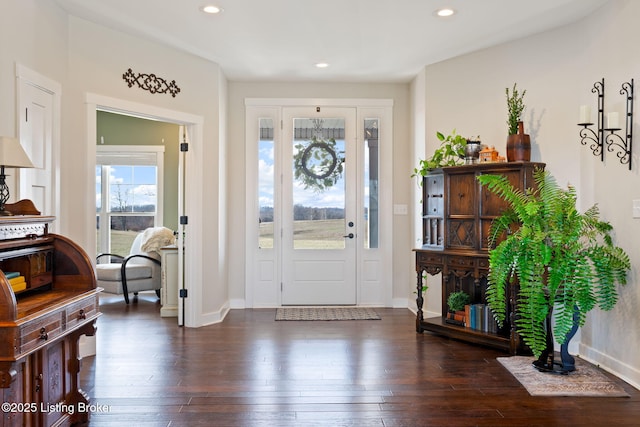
(586, 380)
(326, 313)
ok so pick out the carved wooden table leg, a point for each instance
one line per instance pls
(419, 303)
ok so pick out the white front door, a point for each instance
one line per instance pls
(319, 237)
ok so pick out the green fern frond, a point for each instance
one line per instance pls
(562, 259)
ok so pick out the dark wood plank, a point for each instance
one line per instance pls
(253, 371)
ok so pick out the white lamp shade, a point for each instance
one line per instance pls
(12, 155)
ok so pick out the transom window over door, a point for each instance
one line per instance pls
(128, 194)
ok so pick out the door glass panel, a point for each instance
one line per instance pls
(371, 168)
(266, 183)
(318, 183)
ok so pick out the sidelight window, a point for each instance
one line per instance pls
(371, 189)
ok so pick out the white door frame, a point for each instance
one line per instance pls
(193, 264)
(374, 267)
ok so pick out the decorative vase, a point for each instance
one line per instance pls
(519, 146)
(547, 360)
(472, 152)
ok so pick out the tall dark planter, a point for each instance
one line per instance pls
(546, 362)
(519, 146)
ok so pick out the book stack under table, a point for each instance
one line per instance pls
(475, 316)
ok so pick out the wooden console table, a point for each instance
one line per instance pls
(457, 216)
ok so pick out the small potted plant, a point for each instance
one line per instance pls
(456, 301)
(450, 153)
(515, 108)
(518, 143)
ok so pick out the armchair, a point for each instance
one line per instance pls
(138, 271)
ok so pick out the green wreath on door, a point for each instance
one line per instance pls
(317, 164)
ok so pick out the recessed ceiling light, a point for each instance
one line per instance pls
(445, 11)
(322, 65)
(211, 9)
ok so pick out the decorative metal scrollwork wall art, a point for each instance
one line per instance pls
(151, 82)
(607, 136)
(615, 142)
(587, 135)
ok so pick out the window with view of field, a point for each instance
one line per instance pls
(371, 171)
(319, 187)
(266, 183)
(318, 215)
(127, 196)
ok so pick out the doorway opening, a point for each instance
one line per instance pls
(189, 266)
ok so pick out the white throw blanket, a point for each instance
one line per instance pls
(155, 238)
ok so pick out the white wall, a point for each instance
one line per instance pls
(238, 91)
(558, 70)
(32, 34)
(432, 305)
(93, 71)
(89, 59)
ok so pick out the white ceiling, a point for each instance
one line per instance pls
(362, 40)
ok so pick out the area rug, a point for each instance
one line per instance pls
(326, 313)
(586, 380)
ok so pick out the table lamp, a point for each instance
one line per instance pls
(12, 155)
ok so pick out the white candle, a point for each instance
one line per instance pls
(612, 121)
(585, 114)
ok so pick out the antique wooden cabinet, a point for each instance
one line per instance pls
(457, 216)
(40, 325)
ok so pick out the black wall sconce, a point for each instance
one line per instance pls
(599, 139)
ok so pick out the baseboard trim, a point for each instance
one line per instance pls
(237, 303)
(616, 367)
(215, 316)
(400, 303)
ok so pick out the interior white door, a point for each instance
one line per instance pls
(319, 206)
(36, 136)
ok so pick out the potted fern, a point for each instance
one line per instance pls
(564, 262)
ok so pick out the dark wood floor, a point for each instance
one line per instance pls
(253, 371)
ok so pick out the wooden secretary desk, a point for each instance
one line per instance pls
(42, 320)
(456, 219)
